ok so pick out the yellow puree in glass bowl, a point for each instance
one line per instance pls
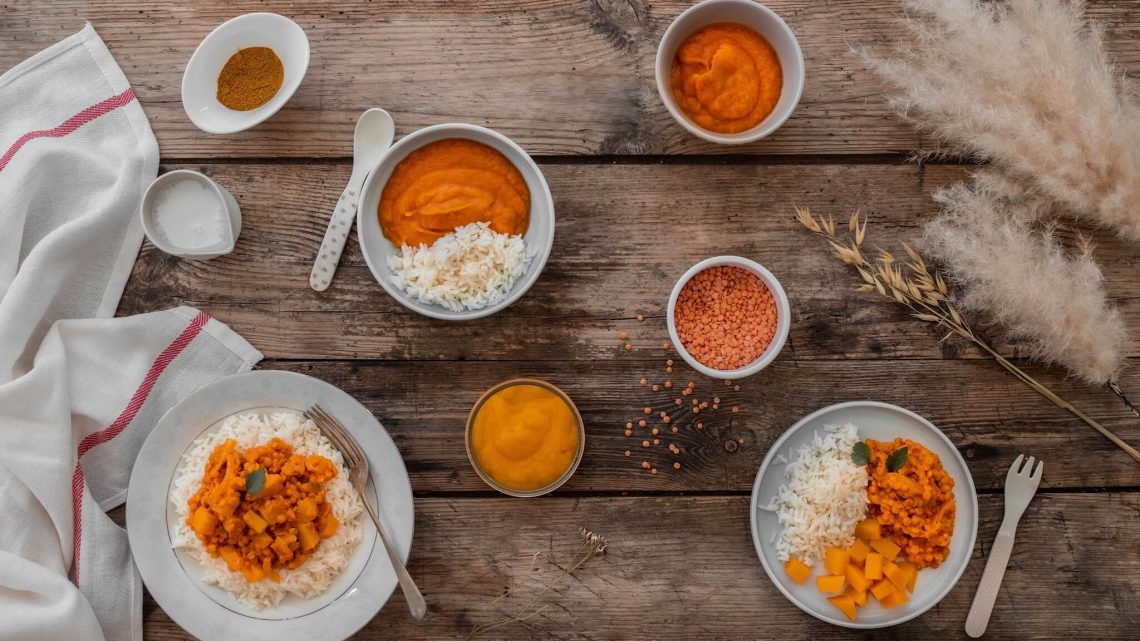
(524, 437)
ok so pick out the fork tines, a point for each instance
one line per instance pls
(337, 435)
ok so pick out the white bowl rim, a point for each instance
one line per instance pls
(762, 129)
(771, 455)
(146, 216)
(783, 317)
(283, 95)
(537, 262)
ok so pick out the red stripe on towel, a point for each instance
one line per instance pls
(119, 424)
(71, 124)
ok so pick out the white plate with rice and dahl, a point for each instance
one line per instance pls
(242, 521)
(814, 500)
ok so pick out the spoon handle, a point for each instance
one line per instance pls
(324, 266)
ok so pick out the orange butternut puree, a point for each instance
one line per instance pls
(448, 184)
(524, 437)
(726, 78)
(280, 526)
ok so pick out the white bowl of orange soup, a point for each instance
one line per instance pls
(730, 71)
(502, 186)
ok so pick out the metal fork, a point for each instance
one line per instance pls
(357, 465)
(1020, 486)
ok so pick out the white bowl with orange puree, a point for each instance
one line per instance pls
(525, 437)
(730, 71)
(445, 176)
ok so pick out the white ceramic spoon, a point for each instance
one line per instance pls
(374, 133)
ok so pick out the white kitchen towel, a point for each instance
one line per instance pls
(79, 391)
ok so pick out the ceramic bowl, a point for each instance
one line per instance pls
(377, 249)
(230, 231)
(783, 317)
(200, 81)
(542, 490)
(757, 17)
(883, 422)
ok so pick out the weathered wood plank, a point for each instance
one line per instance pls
(560, 77)
(989, 415)
(625, 234)
(685, 568)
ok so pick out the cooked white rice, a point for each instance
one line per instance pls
(313, 577)
(471, 268)
(824, 496)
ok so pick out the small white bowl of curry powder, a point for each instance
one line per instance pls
(243, 72)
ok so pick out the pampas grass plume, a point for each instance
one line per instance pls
(1025, 85)
(1010, 267)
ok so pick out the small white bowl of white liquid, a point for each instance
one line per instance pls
(186, 214)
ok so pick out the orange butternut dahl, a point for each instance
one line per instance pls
(915, 505)
(278, 527)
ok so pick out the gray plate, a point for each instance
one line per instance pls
(882, 422)
(210, 613)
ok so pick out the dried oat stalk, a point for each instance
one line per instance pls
(592, 545)
(910, 282)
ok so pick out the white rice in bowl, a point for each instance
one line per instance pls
(317, 573)
(823, 498)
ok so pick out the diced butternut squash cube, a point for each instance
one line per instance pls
(835, 560)
(306, 510)
(797, 571)
(830, 584)
(231, 556)
(283, 546)
(912, 573)
(898, 597)
(859, 596)
(881, 589)
(846, 604)
(254, 521)
(856, 579)
(858, 552)
(252, 573)
(307, 534)
(869, 530)
(203, 522)
(327, 525)
(896, 575)
(873, 568)
(262, 540)
(887, 548)
(274, 483)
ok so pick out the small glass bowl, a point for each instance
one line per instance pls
(487, 477)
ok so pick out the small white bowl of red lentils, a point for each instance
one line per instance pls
(728, 317)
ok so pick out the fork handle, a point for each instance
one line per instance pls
(412, 594)
(986, 596)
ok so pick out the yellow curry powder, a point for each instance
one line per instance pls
(250, 78)
(525, 436)
(726, 78)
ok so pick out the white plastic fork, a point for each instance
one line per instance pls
(1020, 485)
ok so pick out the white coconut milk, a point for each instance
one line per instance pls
(189, 214)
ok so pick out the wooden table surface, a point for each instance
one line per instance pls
(638, 200)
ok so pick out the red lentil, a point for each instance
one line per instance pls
(725, 317)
